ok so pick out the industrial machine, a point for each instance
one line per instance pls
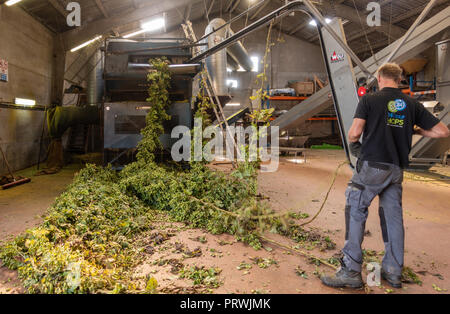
(126, 64)
(119, 81)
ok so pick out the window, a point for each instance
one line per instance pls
(255, 61)
(232, 83)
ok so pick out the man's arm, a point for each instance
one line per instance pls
(357, 129)
(440, 130)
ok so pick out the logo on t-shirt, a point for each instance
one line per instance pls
(394, 117)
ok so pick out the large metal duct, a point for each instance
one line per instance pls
(217, 63)
(232, 64)
(95, 82)
(239, 53)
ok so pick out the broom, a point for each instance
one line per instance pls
(15, 182)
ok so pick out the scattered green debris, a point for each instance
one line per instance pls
(308, 239)
(244, 265)
(300, 272)
(314, 261)
(409, 276)
(334, 261)
(152, 285)
(435, 287)
(222, 242)
(202, 276)
(299, 215)
(263, 262)
(201, 239)
(85, 241)
(370, 256)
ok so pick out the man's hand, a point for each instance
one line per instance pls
(355, 149)
(357, 129)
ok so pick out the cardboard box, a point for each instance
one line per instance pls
(303, 88)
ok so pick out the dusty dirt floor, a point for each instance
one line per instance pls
(273, 269)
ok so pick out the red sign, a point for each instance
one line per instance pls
(337, 57)
(362, 91)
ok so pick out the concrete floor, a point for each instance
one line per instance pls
(296, 187)
(21, 207)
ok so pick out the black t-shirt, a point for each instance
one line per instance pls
(390, 119)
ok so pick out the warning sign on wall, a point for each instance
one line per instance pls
(3, 70)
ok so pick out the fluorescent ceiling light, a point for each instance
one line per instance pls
(150, 26)
(144, 108)
(85, 44)
(314, 23)
(12, 2)
(25, 102)
(233, 105)
(241, 69)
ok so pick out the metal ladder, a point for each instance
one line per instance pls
(209, 87)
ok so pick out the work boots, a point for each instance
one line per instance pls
(344, 278)
(394, 280)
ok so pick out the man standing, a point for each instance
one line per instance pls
(388, 119)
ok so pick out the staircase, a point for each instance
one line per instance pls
(78, 139)
(422, 38)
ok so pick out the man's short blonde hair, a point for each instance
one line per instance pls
(391, 71)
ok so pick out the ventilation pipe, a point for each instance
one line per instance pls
(239, 53)
(234, 55)
(217, 63)
(95, 82)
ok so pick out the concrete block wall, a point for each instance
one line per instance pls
(28, 47)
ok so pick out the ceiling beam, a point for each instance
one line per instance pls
(276, 26)
(397, 19)
(350, 14)
(228, 7)
(299, 28)
(103, 26)
(100, 6)
(208, 9)
(415, 11)
(236, 4)
(257, 12)
(58, 6)
(302, 25)
(187, 12)
(376, 45)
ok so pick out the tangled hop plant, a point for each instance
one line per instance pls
(159, 79)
